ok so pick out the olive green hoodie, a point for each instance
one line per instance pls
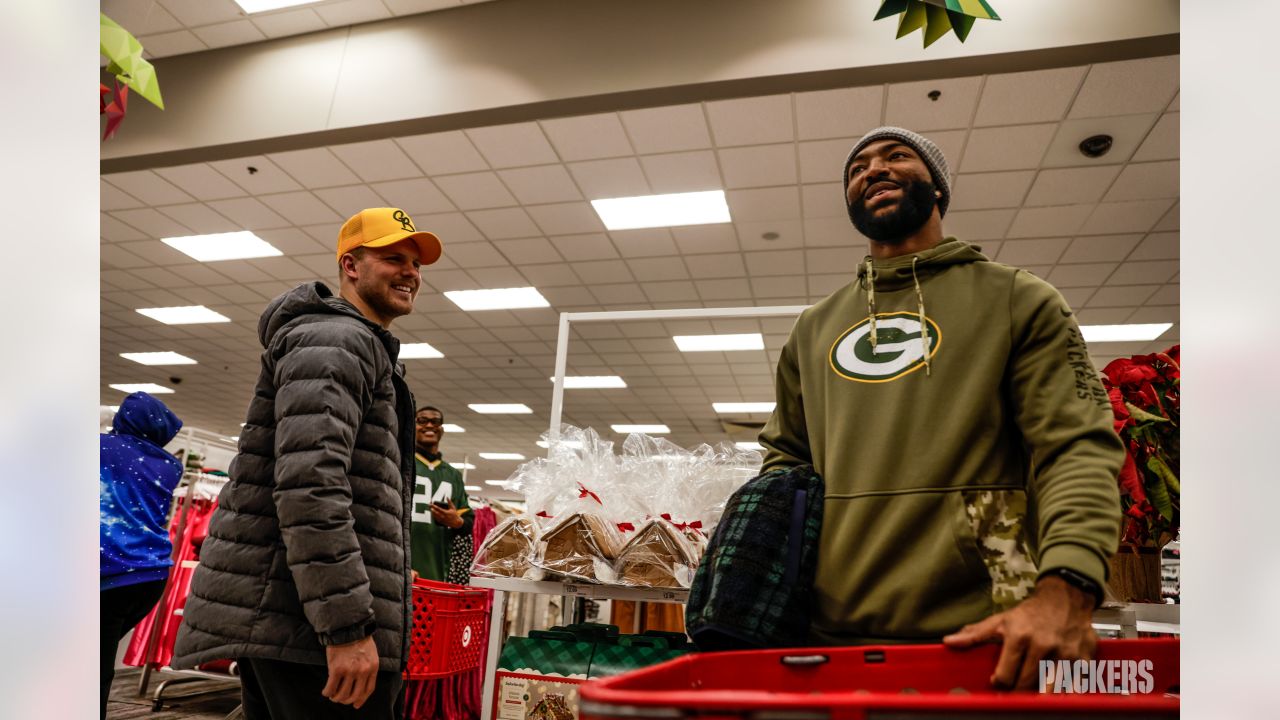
(934, 515)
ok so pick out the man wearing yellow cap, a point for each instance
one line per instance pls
(304, 577)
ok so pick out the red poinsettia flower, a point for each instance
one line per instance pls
(1117, 407)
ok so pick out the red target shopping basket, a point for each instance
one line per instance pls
(854, 683)
(450, 629)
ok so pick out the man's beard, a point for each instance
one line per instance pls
(913, 211)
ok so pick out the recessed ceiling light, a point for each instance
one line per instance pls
(152, 388)
(418, 351)
(501, 409)
(499, 483)
(1123, 333)
(501, 456)
(497, 299)
(185, 315)
(647, 429)
(257, 6)
(571, 444)
(584, 382)
(451, 428)
(650, 211)
(223, 246)
(158, 358)
(748, 446)
(472, 488)
(463, 466)
(707, 343)
(727, 408)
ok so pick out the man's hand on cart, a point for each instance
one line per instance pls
(353, 672)
(1055, 623)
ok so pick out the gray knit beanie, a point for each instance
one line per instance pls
(930, 153)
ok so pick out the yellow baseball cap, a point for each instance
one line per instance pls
(380, 227)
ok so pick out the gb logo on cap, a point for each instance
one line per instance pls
(404, 221)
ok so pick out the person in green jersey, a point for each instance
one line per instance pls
(440, 509)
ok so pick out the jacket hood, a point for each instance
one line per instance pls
(896, 273)
(315, 298)
(143, 416)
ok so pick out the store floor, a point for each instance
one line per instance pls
(124, 703)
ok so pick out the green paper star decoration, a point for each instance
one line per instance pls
(936, 17)
(124, 60)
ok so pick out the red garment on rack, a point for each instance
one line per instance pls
(175, 596)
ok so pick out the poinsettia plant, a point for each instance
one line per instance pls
(1144, 393)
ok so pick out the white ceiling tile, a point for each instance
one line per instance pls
(847, 112)
(412, 7)
(283, 268)
(1146, 181)
(973, 225)
(1127, 87)
(1126, 132)
(984, 191)
(837, 231)
(667, 129)
(301, 208)
(117, 257)
(446, 280)
(1157, 246)
(192, 13)
(833, 260)
(1167, 295)
(776, 262)
(618, 177)
(1144, 272)
(1162, 142)
(417, 195)
(677, 292)
(476, 191)
(1100, 248)
(658, 268)
(908, 104)
(682, 172)
(156, 252)
(238, 32)
(822, 160)
(248, 213)
(718, 265)
(1113, 296)
(779, 203)
(789, 234)
(541, 184)
(292, 241)
(566, 218)
(443, 153)
(476, 254)
(513, 145)
(1028, 97)
(1044, 251)
(1077, 296)
(1053, 221)
(351, 199)
(990, 248)
(825, 200)
(200, 218)
(624, 295)
(111, 197)
(1170, 221)
(604, 271)
(113, 230)
(169, 44)
(266, 176)
(588, 137)
(1006, 148)
(821, 286)
(568, 296)
(1071, 186)
(705, 239)
(288, 22)
(643, 243)
(589, 246)
(315, 167)
(141, 18)
(148, 187)
(1104, 315)
(1155, 314)
(351, 12)
(449, 227)
(201, 181)
(759, 166)
(1081, 275)
(783, 286)
(504, 223)
(377, 160)
(1125, 217)
(527, 251)
(152, 223)
(725, 289)
(551, 275)
(751, 121)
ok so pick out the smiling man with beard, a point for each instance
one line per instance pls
(967, 450)
(304, 576)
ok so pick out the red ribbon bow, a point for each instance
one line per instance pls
(626, 527)
(585, 492)
(543, 514)
(696, 525)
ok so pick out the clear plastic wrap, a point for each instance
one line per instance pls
(509, 551)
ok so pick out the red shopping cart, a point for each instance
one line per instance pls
(855, 683)
(450, 629)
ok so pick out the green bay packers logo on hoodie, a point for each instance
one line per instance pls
(899, 350)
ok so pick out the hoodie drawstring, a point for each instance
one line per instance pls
(924, 321)
(871, 302)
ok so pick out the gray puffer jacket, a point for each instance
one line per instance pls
(309, 545)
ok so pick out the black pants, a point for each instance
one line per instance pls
(277, 690)
(121, 609)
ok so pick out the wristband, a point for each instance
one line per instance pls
(1077, 581)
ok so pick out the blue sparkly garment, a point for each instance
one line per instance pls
(137, 481)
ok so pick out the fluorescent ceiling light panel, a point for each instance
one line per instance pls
(726, 408)
(1123, 333)
(748, 446)
(186, 315)
(708, 343)
(501, 409)
(152, 388)
(502, 456)
(571, 444)
(584, 382)
(223, 246)
(647, 429)
(499, 483)
(418, 351)
(497, 299)
(257, 6)
(464, 466)
(651, 211)
(158, 358)
(451, 428)
(472, 488)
